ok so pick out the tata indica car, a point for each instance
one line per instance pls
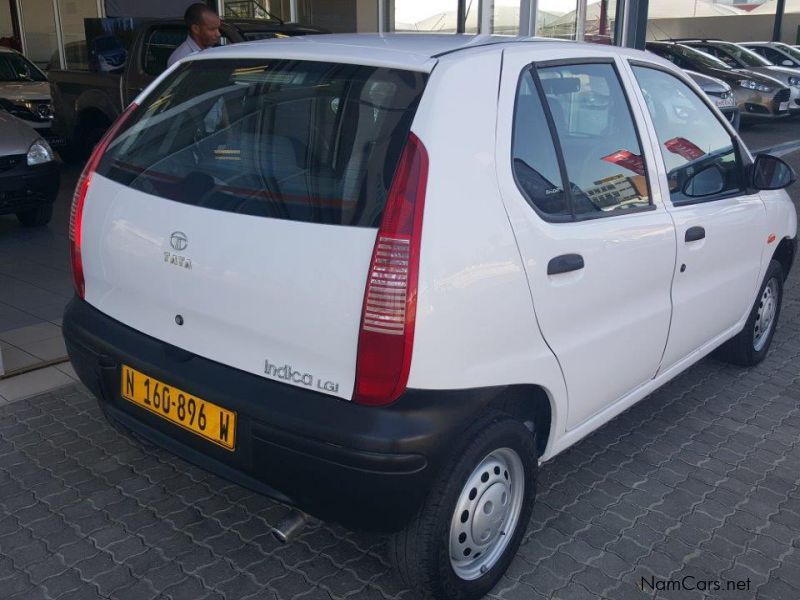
(739, 57)
(29, 175)
(317, 267)
(757, 96)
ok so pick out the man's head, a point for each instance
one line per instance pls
(203, 24)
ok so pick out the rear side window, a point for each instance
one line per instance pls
(696, 147)
(604, 169)
(534, 158)
(297, 140)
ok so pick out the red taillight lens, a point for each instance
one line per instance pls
(79, 198)
(386, 337)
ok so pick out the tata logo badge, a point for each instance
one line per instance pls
(178, 241)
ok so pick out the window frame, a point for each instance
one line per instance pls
(572, 217)
(743, 158)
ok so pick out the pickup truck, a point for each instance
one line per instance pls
(86, 103)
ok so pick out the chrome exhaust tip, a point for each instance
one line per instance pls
(289, 525)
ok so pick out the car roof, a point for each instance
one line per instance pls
(401, 50)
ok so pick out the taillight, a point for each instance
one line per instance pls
(386, 336)
(79, 198)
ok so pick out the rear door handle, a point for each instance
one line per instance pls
(564, 264)
(694, 234)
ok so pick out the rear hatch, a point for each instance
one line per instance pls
(235, 214)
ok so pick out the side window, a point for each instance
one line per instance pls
(602, 155)
(776, 57)
(698, 151)
(533, 156)
(159, 45)
(723, 56)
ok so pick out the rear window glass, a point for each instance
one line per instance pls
(297, 140)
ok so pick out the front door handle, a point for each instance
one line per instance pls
(564, 264)
(694, 234)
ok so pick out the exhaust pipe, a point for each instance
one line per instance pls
(289, 525)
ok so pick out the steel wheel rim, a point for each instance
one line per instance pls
(486, 513)
(765, 315)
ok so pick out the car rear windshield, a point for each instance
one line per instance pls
(298, 140)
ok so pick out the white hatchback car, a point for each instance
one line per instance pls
(383, 278)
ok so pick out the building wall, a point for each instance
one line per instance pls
(366, 16)
(337, 16)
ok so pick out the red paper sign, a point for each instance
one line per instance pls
(684, 147)
(629, 160)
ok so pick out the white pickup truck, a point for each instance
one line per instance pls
(382, 278)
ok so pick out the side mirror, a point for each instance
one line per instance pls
(787, 63)
(706, 182)
(771, 173)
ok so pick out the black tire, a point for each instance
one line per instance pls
(36, 217)
(420, 553)
(741, 350)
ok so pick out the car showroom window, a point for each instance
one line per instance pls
(699, 155)
(533, 156)
(602, 154)
(161, 43)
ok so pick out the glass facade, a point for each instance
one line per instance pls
(38, 22)
(6, 26)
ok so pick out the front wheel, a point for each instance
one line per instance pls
(469, 529)
(751, 345)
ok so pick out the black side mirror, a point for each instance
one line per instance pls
(771, 173)
(706, 182)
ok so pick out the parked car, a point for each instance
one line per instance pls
(25, 93)
(757, 96)
(720, 94)
(738, 57)
(87, 103)
(777, 53)
(312, 266)
(29, 175)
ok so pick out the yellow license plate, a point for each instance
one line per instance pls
(194, 414)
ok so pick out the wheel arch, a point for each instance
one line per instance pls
(531, 404)
(785, 253)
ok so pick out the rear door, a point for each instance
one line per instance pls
(721, 228)
(244, 197)
(598, 247)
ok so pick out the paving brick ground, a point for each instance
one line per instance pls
(699, 482)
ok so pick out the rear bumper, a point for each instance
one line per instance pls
(368, 468)
(23, 187)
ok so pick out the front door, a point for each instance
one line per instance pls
(598, 246)
(721, 229)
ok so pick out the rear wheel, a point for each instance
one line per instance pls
(752, 344)
(36, 217)
(469, 529)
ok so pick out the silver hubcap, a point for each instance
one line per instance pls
(487, 513)
(765, 317)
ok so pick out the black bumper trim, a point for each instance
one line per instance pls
(368, 468)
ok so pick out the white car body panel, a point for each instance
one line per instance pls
(721, 278)
(259, 289)
(469, 257)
